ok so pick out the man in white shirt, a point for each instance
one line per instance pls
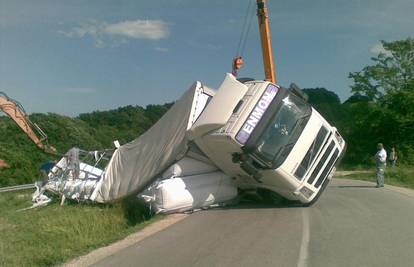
(381, 160)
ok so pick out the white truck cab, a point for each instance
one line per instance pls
(266, 136)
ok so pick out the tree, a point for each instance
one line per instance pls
(327, 103)
(321, 96)
(388, 107)
(392, 72)
(357, 98)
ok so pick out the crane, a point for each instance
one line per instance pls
(266, 42)
(17, 113)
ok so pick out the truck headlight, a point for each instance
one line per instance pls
(306, 192)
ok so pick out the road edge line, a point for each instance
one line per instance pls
(304, 246)
(103, 252)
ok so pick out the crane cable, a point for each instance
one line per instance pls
(238, 61)
(245, 30)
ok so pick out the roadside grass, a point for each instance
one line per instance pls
(54, 234)
(402, 176)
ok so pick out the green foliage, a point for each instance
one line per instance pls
(387, 113)
(123, 124)
(154, 112)
(318, 96)
(357, 98)
(327, 103)
(89, 131)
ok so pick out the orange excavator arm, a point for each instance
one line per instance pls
(16, 112)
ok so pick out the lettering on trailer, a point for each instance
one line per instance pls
(257, 113)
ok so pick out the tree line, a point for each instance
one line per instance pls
(89, 131)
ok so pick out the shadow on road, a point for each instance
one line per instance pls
(263, 200)
(353, 186)
(261, 206)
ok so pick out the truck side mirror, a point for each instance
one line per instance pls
(298, 92)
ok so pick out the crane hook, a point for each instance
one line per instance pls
(237, 64)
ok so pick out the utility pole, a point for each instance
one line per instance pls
(269, 65)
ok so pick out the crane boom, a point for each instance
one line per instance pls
(265, 37)
(16, 112)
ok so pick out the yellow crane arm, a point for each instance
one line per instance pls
(16, 112)
(265, 38)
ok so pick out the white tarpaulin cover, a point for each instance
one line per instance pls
(135, 165)
(187, 185)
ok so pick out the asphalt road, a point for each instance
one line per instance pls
(353, 224)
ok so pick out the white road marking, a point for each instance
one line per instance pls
(304, 246)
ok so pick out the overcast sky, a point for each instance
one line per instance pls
(71, 57)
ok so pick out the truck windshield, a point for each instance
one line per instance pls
(283, 130)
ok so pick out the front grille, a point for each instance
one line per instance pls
(321, 162)
(311, 154)
(327, 169)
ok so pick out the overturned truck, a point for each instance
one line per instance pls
(248, 134)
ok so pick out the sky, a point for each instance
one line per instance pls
(72, 57)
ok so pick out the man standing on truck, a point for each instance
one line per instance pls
(381, 160)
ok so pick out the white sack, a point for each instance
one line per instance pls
(188, 166)
(190, 192)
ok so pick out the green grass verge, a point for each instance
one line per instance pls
(54, 234)
(399, 176)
